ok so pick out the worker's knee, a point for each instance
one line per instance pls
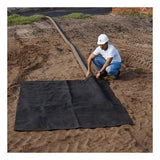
(109, 70)
(95, 60)
(98, 60)
(112, 71)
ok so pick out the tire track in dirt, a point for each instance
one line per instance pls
(138, 59)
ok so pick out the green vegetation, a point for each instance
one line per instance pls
(16, 19)
(76, 16)
(132, 12)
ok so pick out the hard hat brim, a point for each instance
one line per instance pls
(100, 43)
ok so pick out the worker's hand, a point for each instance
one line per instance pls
(98, 75)
(88, 74)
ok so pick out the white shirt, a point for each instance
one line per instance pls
(110, 52)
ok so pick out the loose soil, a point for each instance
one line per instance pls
(37, 52)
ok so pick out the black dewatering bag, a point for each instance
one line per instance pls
(49, 105)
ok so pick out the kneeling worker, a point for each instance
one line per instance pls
(109, 62)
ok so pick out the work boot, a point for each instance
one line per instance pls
(117, 76)
(103, 74)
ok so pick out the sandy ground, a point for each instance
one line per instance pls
(37, 52)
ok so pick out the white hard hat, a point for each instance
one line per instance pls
(102, 39)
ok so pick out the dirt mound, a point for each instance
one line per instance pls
(37, 52)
